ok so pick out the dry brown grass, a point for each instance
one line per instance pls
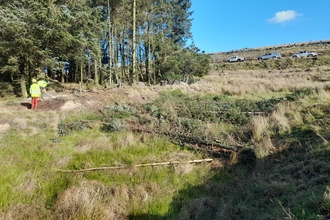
(5, 126)
(93, 200)
(62, 162)
(79, 201)
(126, 140)
(27, 122)
(139, 194)
(257, 83)
(280, 121)
(182, 169)
(263, 147)
(286, 50)
(28, 184)
(260, 127)
(90, 200)
(24, 212)
(100, 141)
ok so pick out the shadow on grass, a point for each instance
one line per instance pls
(287, 185)
(26, 104)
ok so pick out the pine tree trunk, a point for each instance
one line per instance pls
(123, 57)
(96, 72)
(62, 76)
(101, 71)
(114, 55)
(134, 77)
(148, 56)
(81, 77)
(23, 87)
(22, 69)
(110, 45)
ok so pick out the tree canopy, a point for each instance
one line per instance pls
(107, 41)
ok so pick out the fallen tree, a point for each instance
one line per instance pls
(138, 165)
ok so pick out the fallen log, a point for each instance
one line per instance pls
(139, 165)
(244, 113)
(190, 140)
(199, 141)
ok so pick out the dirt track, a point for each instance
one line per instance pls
(68, 101)
(93, 99)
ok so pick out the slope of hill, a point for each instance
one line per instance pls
(286, 50)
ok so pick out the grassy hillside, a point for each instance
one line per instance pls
(137, 153)
(321, 47)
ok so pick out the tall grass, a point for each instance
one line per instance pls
(31, 182)
(281, 116)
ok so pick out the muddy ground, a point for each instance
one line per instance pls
(70, 99)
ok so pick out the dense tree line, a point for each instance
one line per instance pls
(104, 41)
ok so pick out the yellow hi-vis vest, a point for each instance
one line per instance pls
(35, 90)
(42, 83)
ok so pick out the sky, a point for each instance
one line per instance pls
(224, 25)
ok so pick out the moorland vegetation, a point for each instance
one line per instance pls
(217, 140)
(142, 154)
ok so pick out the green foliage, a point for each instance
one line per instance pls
(120, 111)
(52, 33)
(177, 93)
(64, 129)
(6, 89)
(301, 93)
(185, 64)
(114, 125)
(265, 105)
(172, 76)
(233, 116)
(222, 97)
(219, 108)
(114, 116)
(151, 108)
(269, 105)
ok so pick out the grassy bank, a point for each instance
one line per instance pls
(266, 131)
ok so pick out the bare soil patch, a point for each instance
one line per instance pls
(71, 99)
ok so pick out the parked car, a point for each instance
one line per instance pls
(235, 59)
(304, 53)
(269, 56)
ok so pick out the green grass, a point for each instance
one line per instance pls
(31, 164)
(288, 183)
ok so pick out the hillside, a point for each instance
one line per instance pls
(286, 50)
(248, 141)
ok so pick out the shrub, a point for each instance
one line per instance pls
(64, 129)
(115, 125)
